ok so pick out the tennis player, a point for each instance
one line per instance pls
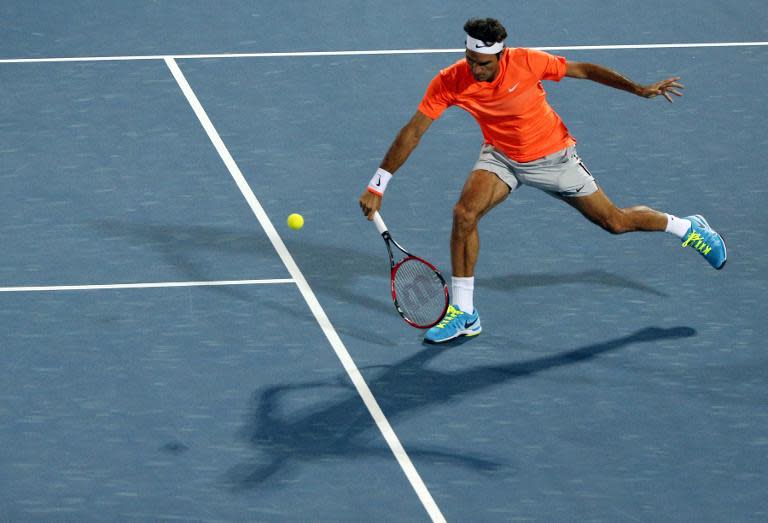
(525, 143)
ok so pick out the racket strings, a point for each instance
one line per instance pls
(419, 292)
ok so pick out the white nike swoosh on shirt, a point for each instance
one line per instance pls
(511, 89)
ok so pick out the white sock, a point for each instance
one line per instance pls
(677, 226)
(462, 290)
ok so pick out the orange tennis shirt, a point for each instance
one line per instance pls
(512, 111)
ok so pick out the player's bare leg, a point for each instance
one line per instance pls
(694, 231)
(482, 191)
(599, 209)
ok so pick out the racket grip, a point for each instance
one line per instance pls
(379, 222)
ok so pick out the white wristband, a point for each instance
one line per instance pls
(378, 183)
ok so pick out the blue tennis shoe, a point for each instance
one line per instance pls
(455, 323)
(706, 241)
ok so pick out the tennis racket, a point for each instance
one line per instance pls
(418, 289)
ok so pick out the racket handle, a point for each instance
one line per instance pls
(379, 222)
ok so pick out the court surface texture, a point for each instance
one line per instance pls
(171, 351)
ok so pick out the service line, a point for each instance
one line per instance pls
(150, 285)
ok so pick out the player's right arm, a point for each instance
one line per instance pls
(402, 147)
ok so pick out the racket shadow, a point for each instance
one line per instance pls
(342, 428)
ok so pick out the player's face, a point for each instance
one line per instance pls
(484, 67)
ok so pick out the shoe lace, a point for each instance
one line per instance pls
(698, 242)
(451, 315)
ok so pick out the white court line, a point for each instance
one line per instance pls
(367, 53)
(309, 296)
(154, 285)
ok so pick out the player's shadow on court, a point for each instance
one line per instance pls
(512, 282)
(342, 429)
(193, 251)
(332, 270)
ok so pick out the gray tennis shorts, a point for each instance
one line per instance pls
(561, 174)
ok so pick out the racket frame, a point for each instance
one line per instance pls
(394, 267)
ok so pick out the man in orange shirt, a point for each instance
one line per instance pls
(525, 142)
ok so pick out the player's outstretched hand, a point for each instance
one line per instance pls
(663, 88)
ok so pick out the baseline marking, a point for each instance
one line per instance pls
(369, 53)
(309, 296)
(155, 285)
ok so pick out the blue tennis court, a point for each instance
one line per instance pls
(172, 351)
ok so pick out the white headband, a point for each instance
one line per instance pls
(478, 46)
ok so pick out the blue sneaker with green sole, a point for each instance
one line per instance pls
(455, 323)
(706, 241)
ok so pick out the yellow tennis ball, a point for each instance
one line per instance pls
(295, 221)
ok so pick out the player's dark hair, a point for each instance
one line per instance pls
(487, 30)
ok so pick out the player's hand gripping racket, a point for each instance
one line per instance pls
(418, 289)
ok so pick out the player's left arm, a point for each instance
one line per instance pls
(601, 74)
